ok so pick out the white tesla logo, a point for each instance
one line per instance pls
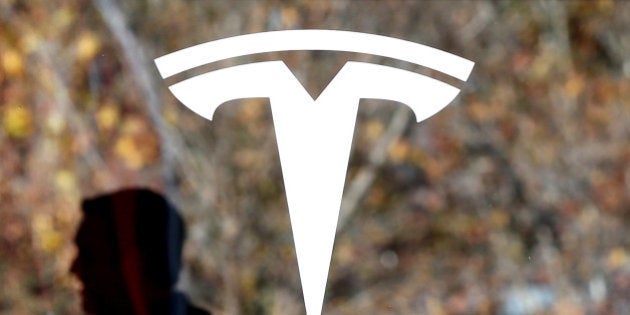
(314, 136)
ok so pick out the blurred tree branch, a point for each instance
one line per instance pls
(135, 57)
(377, 157)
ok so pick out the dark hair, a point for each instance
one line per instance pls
(141, 224)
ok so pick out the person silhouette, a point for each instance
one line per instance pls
(129, 255)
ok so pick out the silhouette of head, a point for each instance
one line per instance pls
(130, 245)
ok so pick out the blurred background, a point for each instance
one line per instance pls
(515, 199)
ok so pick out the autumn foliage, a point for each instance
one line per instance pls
(513, 200)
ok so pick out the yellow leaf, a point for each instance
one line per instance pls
(605, 5)
(107, 116)
(88, 46)
(290, 17)
(16, 121)
(133, 125)
(246, 158)
(377, 196)
(543, 64)
(250, 111)
(248, 282)
(480, 111)
(617, 258)
(65, 180)
(499, 218)
(55, 123)
(171, 115)
(374, 129)
(574, 86)
(399, 151)
(128, 151)
(12, 63)
(344, 252)
(30, 41)
(41, 222)
(137, 146)
(48, 239)
(63, 17)
(434, 306)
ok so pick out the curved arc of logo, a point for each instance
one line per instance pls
(334, 40)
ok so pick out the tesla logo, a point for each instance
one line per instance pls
(314, 135)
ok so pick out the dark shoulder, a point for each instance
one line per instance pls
(184, 307)
(193, 310)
